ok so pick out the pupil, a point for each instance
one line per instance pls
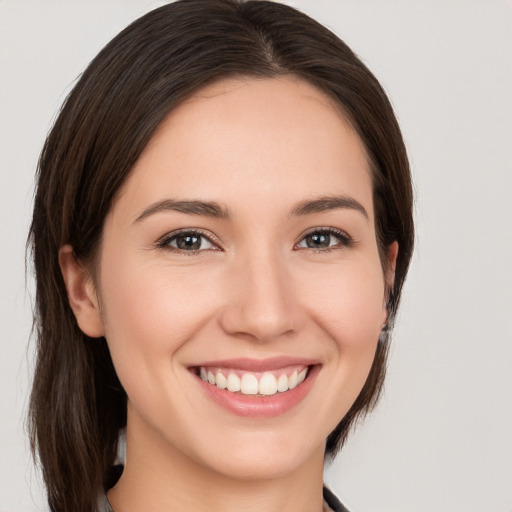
(189, 242)
(318, 240)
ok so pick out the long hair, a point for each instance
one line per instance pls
(77, 403)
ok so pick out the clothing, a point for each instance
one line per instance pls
(331, 503)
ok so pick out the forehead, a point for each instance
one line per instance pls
(248, 138)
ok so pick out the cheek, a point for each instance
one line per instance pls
(151, 316)
(150, 312)
(347, 308)
(348, 303)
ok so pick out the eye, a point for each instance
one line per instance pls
(187, 241)
(323, 239)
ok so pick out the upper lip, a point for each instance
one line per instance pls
(258, 365)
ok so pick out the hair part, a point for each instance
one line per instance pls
(77, 404)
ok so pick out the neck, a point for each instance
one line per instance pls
(158, 477)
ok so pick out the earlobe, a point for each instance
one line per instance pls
(81, 294)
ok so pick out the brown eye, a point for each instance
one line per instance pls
(318, 240)
(324, 239)
(188, 241)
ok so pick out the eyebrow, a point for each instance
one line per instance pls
(215, 210)
(328, 203)
(203, 208)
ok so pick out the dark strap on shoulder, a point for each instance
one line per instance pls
(333, 501)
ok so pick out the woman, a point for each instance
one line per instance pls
(221, 231)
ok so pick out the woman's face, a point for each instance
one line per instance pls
(242, 250)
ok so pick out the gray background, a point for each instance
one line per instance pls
(441, 438)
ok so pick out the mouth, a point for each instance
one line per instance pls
(257, 388)
(265, 383)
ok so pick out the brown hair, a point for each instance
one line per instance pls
(77, 404)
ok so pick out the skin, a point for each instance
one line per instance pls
(258, 148)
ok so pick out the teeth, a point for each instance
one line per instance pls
(233, 382)
(221, 381)
(292, 380)
(282, 383)
(267, 385)
(248, 384)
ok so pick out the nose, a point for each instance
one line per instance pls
(261, 305)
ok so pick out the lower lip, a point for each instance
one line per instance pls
(260, 406)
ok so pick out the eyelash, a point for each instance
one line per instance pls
(345, 241)
(164, 243)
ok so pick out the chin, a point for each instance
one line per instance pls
(263, 456)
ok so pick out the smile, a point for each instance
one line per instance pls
(257, 388)
(264, 383)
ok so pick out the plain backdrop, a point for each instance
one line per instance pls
(441, 438)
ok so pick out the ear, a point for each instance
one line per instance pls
(391, 256)
(389, 276)
(81, 294)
